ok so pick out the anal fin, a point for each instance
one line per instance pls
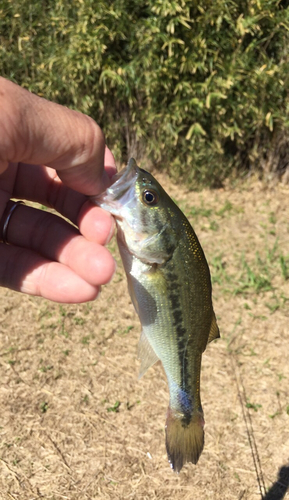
(146, 354)
(214, 330)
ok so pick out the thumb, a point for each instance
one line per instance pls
(36, 131)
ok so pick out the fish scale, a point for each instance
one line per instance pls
(170, 286)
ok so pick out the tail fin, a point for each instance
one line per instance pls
(184, 440)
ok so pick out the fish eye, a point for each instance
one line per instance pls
(150, 197)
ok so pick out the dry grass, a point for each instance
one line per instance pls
(76, 424)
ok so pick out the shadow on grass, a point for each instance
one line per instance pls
(280, 487)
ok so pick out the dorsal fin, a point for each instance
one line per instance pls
(214, 330)
(146, 354)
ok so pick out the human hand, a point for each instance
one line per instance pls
(54, 156)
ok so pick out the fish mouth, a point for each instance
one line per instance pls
(120, 192)
(122, 181)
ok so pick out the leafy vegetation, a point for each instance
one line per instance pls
(199, 88)
(114, 408)
(253, 406)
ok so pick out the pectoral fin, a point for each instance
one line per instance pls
(146, 354)
(132, 293)
(214, 330)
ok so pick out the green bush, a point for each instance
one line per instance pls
(199, 88)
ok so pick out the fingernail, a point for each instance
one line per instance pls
(111, 232)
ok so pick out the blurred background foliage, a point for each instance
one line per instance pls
(196, 87)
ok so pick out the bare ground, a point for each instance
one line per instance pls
(75, 423)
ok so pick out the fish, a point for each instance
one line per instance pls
(170, 287)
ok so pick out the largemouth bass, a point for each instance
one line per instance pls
(170, 287)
